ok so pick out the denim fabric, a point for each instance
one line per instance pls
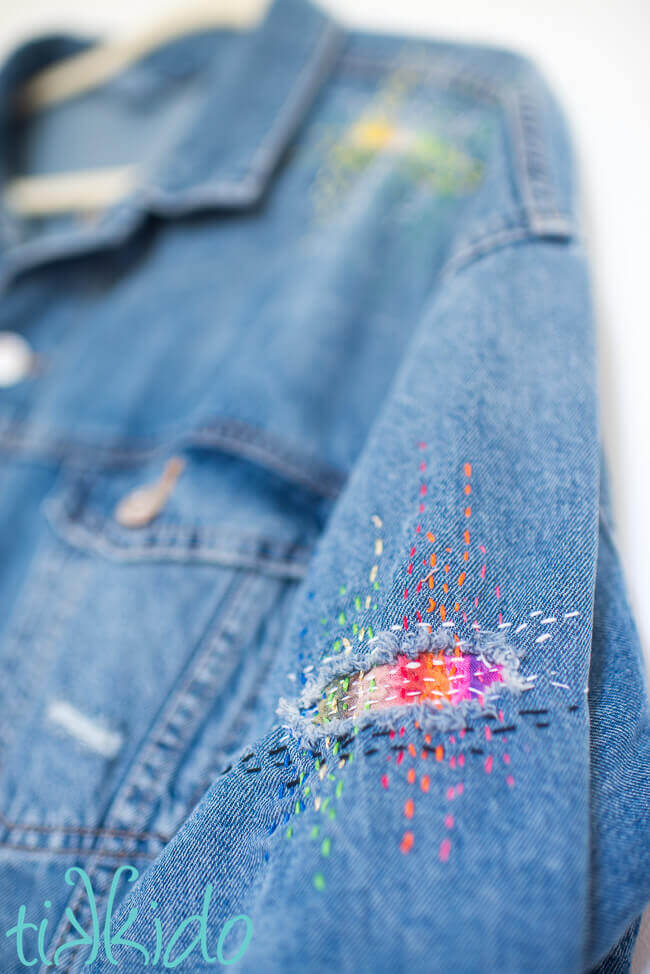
(619, 958)
(369, 675)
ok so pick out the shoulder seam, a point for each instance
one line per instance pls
(493, 241)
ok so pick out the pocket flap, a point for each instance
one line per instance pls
(212, 509)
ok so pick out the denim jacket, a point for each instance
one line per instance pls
(314, 647)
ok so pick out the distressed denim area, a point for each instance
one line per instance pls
(443, 679)
(308, 586)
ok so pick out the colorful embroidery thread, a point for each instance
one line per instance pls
(432, 678)
(423, 156)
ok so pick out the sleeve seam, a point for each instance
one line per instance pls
(487, 244)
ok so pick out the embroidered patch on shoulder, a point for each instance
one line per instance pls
(422, 154)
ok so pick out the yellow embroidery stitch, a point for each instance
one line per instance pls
(424, 157)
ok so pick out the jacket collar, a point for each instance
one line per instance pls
(256, 97)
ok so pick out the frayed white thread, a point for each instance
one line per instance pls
(88, 732)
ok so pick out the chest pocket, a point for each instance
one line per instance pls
(148, 622)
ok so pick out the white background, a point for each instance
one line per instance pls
(595, 53)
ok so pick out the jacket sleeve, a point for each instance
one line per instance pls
(424, 800)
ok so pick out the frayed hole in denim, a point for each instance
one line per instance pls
(437, 679)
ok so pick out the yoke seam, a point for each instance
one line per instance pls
(94, 853)
(233, 437)
(77, 830)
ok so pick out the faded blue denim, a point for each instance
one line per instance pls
(349, 285)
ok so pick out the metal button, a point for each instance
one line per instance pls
(143, 504)
(16, 358)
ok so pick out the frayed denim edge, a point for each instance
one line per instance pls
(384, 648)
